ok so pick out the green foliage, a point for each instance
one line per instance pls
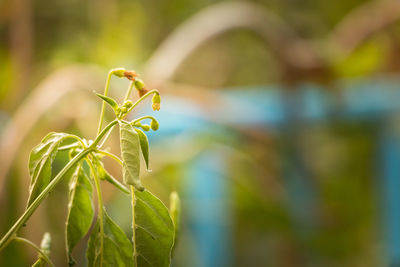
(116, 250)
(80, 203)
(153, 229)
(109, 101)
(144, 145)
(40, 161)
(130, 151)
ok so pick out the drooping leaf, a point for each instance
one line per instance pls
(109, 101)
(45, 248)
(40, 161)
(144, 145)
(103, 174)
(80, 210)
(130, 151)
(154, 233)
(117, 249)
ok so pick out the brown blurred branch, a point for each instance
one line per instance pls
(361, 23)
(21, 46)
(218, 19)
(43, 98)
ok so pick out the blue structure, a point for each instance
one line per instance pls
(371, 100)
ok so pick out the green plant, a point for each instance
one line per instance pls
(153, 229)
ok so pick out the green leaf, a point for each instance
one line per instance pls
(80, 210)
(104, 175)
(109, 101)
(40, 161)
(130, 151)
(154, 233)
(144, 145)
(117, 250)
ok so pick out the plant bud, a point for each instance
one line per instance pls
(156, 102)
(118, 72)
(145, 127)
(142, 92)
(45, 245)
(124, 110)
(118, 111)
(154, 125)
(130, 74)
(128, 104)
(139, 84)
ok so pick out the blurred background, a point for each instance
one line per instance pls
(279, 122)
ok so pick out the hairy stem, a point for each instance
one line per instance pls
(100, 209)
(141, 99)
(26, 241)
(128, 93)
(111, 155)
(68, 147)
(78, 139)
(133, 225)
(103, 105)
(105, 131)
(142, 118)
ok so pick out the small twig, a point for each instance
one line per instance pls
(38, 249)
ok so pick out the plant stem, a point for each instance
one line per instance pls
(141, 99)
(103, 105)
(26, 241)
(111, 155)
(100, 208)
(133, 225)
(67, 147)
(78, 139)
(35, 204)
(103, 132)
(128, 93)
(143, 118)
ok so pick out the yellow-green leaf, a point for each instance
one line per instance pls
(117, 249)
(130, 152)
(40, 161)
(144, 146)
(80, 210)
(154, 233)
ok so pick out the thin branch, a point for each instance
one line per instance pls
(38, 249)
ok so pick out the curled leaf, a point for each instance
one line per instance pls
(130, 151)
(80, 210)
(40, 160)
(144, 145)
(117, 249)
(154, 231)
(109, 101)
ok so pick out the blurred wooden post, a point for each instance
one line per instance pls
(207, 196)
(21, 46)
(389, 145)
(297, 178)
